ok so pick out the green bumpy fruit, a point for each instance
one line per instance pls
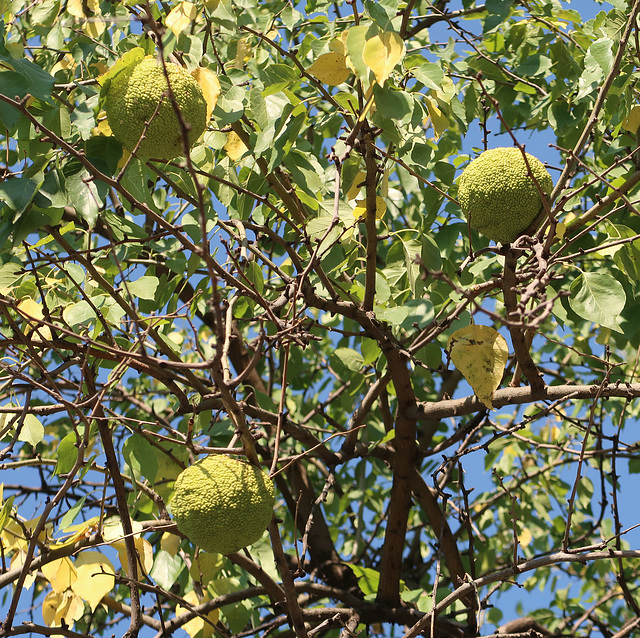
(498, 195)
(133, 97)
(222, 504)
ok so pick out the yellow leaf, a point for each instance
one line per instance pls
(330, 68)
(170, 543)
(525, 537)
(95, 577)
(211, 5)
(338, 46)
(439, 121)
(17, 562)
(58, 607)
(360, 210)
(60, 573)
(235, 147)
(632, 121)
(181, 16)
(33, 311)
(210, 86)
(77, 8)
(353, 189)
(243, 54)
(480, 353)
(198, 624)
(94, 27)
(144, 554)
(81, 530)
(382, 53)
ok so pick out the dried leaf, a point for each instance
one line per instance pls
(481, 354)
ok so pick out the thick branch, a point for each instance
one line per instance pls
(517, 396)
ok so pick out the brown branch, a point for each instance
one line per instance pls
(518, 339)
(517, 396)
(404, 461)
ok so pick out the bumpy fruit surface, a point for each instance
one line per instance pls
(139, 94)
(222, 504)
(498, 195)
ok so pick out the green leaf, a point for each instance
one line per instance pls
(66, 454)
(144, 288)
(71, 515)
(347, 358)
(141, 456)
(32, 431)
(391, 104)
(166, 569)
(368, 579)
(277, 77)
(598, 297)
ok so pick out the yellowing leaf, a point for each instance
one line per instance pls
(439, 121)
(181, 16)
(339, 46)
(133, 56)
(361, 208)
(210, 86)
(83, 8)
(60, 573)
(170, 543)
(144, 553)
(382, 53)
(57, 607)
(330, 68)
(81, 530)
(354, 189)
(95, 577)
(480, 353)
(17, 562)
(32, 309)
(525, 537)
(198, 624)
(632, 121)
(243, 54)
(235, 147)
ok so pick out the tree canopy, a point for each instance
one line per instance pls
(450, 423)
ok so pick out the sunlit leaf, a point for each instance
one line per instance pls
(598, 297)
(632, 121)
(95, 577)
(381, 54)
(235, 147)
(330, 68)
(181, 17)
(360, 211)
(439, 121)
(198, 626)
(60, 573)
(480, 353)
(62, 607)
(210, 86)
